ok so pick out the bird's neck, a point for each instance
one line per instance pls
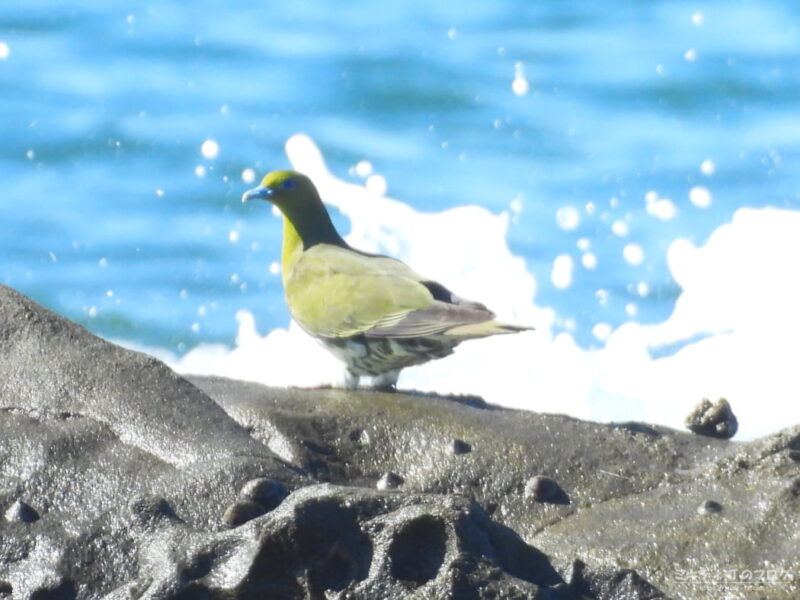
(292, 248)
(294, 243)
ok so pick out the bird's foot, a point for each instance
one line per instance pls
(385, 388)
(386, 382)
(350, 380)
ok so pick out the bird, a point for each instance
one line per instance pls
(373, 312)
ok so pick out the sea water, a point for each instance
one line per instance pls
(623, 177)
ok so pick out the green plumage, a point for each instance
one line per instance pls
(373, 312)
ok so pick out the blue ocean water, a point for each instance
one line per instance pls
(569, 115)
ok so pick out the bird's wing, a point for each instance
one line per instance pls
(438, 318)
(339, 292)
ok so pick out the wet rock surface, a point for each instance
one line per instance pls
(120, 479)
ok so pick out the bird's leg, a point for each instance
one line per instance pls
(386, 382)
(350, 380)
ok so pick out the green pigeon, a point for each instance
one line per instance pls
(372, 312)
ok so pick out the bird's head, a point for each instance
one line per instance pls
(297, 198)
(284, 189)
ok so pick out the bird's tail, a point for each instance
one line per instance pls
(484, 329)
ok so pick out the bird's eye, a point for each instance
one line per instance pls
(287, 184)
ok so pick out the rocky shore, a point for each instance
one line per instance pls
(121, 479)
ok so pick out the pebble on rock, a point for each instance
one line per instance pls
(21, 512)
(151, 509)
(241, 512)
(460, 447)
(269, 493)
(389, 481)
(360, 436)
(709, 507)
(542, 489)
(713, 420)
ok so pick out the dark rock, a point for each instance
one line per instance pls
(389, 481)
(545, 489)
(634, 427)
(152, 510)
(242, 512)
(62, 589)
(20, 512)
(627, 583)
(417, 551)
(112, 447)
(714, 420)
(460, 447)
(132, 468)
(709, 507)
(360, 436)
(269, 493)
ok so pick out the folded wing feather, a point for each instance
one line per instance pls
(338, 292)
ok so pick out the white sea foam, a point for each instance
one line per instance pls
(589, 260)
(633, 254)
(561, 274)
(209, 149)
(733, 332)
(520, 85)
(661, 208)
(568, 218)
(700, 196)
(248, 175)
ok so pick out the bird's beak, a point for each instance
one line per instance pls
(258, 193)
